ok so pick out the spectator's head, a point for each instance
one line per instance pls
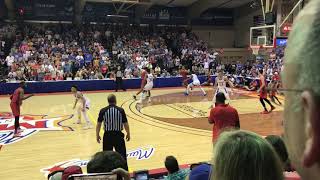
(260, 71)
(280, 148)
(105, 161)
(171, 164)
(244, 155)
(74, 88)
(302, 104)
(220, 98)
(112, 100)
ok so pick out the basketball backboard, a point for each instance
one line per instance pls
(263, 36)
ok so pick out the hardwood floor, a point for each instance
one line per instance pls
(171, 124)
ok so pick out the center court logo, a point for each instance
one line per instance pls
(138, 154)
(30, 124)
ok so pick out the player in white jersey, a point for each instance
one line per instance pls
(147, 88)
(195, 82)
(221, 86)
(82, 108)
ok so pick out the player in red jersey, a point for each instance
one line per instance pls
(184, 74)
(143, 81)
(263, 93)
(16, 101)
(273, 88)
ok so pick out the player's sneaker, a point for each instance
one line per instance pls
(77, 122)
(272, 108)
(88, 126)
(205, 95)
(264, 112)
(134, 97)
(186, 94)
(17, 133)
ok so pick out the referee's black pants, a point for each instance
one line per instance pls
(115, 140)
(119, 83)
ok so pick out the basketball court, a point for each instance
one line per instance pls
(172, 124)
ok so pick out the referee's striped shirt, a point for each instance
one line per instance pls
(113, 118)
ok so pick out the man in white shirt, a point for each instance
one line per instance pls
(79, 57)
(9, 60)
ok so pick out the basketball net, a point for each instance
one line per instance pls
(255, 50)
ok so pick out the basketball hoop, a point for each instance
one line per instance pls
(255, 49)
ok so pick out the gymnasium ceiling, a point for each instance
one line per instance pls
(211, 3)
(186, 3)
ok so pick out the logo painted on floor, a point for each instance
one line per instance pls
(138, 154)
(30, 124)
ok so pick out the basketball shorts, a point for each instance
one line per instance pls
(148, 87)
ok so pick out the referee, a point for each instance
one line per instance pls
(119, 81)
(114, 119)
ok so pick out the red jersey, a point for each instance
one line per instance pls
(15, 97)
(143, 74)
(263, 91)
(223, 116)
(184, 73)
(276, 77)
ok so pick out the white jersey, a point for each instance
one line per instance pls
(194, 78)
(150, 79)
(221, 87)
(149, 84)
(221, 83)
(83, 100)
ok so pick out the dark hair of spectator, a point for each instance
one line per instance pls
(105, 161)
(220, 98)
(280, 148)
(171, 164)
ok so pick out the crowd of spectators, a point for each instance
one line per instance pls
(42, 52)
(45, 52)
